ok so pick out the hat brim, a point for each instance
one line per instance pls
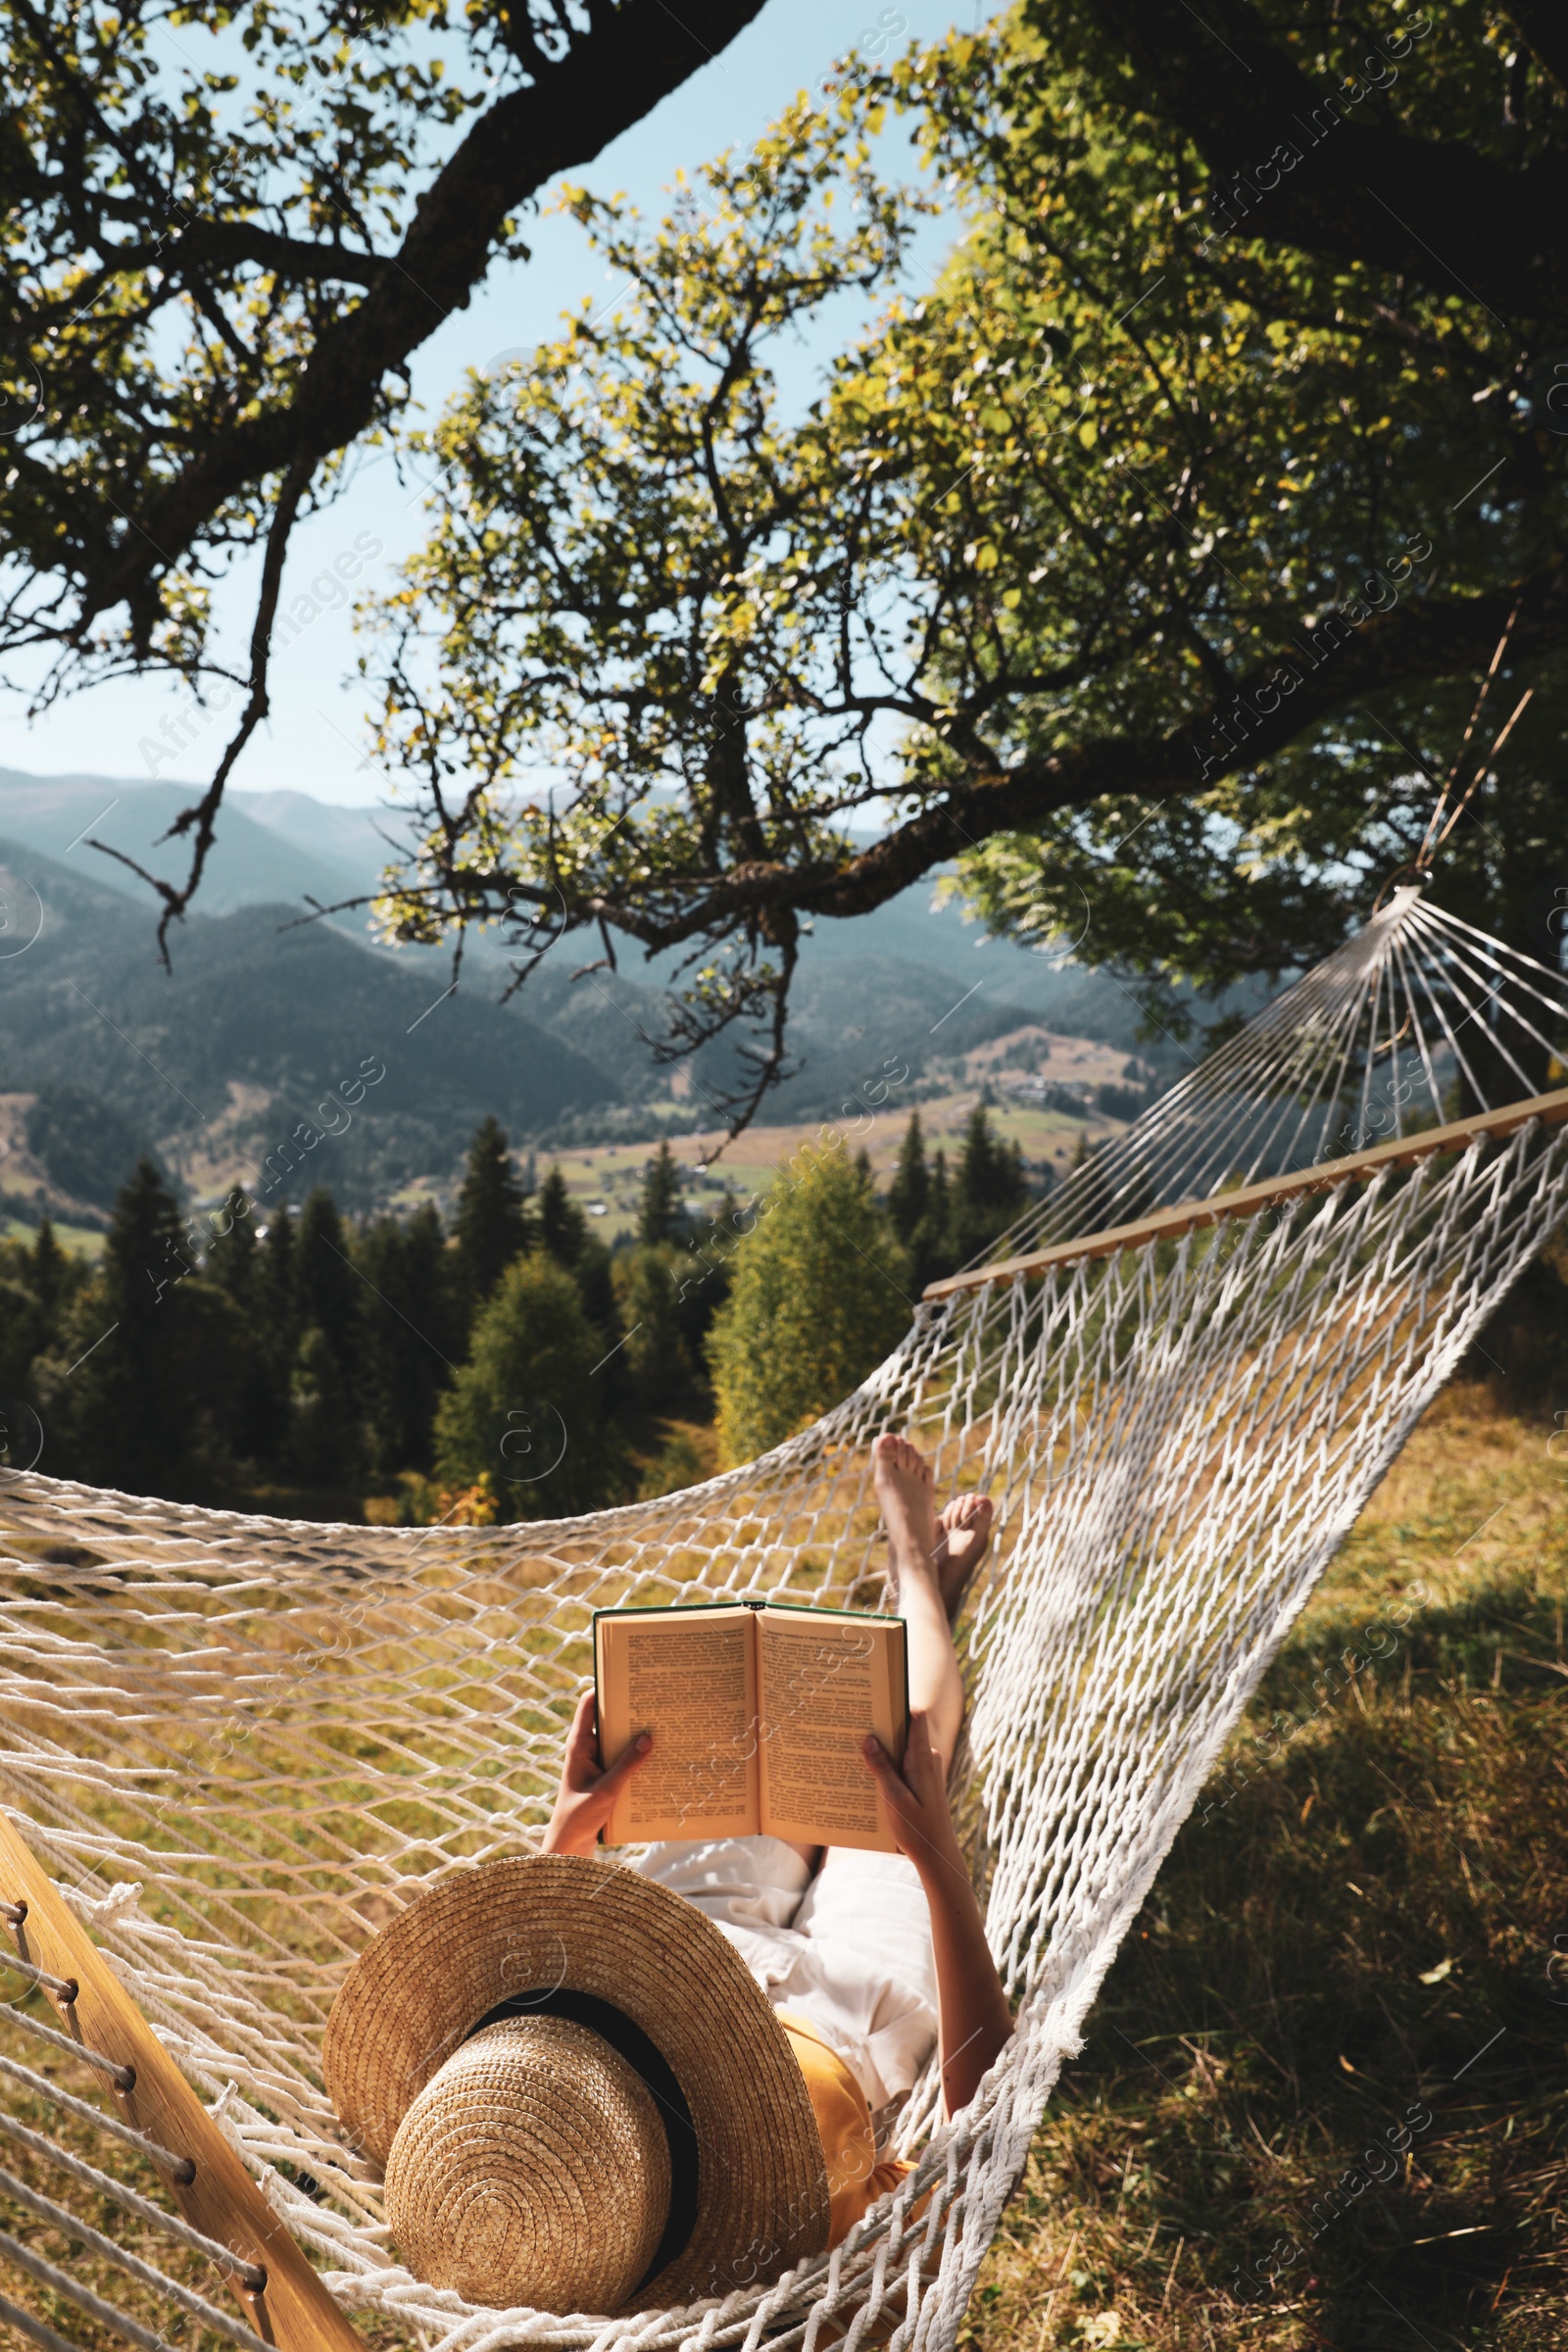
(555, 1922)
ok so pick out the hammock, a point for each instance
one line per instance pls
(239, 1745)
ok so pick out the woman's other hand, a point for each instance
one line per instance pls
(916, 1799)
(971, 2005)
(588, 1789)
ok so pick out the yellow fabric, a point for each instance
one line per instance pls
(855, 2179)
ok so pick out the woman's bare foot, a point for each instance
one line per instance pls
(902, 1476)
(963, 1537)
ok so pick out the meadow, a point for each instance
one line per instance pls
(1321, 2100)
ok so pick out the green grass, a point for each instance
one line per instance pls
(1354, 1963)
(80, 1240)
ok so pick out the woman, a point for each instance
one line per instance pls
(868, 1960)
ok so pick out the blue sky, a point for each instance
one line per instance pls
(315, 741)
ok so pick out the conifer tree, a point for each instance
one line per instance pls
(931, 1248)
(47, 1272)
(563, 1234)
(414, 1321)
(562, 1227)
(237, 1264)
(491, 1222)
(275, 1332)
(280, 1306)
(659, 1365)
(661, 1209)
(989, 1191)
(328, 1289)
(148, 1401)
(329, 1437)
(909, 1193)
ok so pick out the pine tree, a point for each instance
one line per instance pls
(910, 1194)
(989, 1191)
(329, 1437)
(47, 1272)
(279, 1303)
(236, 1263)
(659, 1365)
(269, 1408)
(865, 1174)
(562, 1227)
(491, 1222)
(231, 1259)
(149, 1402)
(931, 1248)
(661, 1209)
(821, 1293)
(414, 1320)
(328, 1291)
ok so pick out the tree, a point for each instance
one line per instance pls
(414, 1320)
(525, 1411)
(19, 1318)
(931, 1247)
(220, 262)
(328, 1441)
(911, 1187)
(1171, 532)
(48, 1277)
(647, 1282)
(989, 1191)
(329, 1291)
(262, 1381)
(562, 1227)
(662, 1206)
(140, 1393)
(269, 1413)
(491, 1223)
(564, 1235)
(820, 1295)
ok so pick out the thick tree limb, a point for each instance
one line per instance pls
(1545, 27)
(1441, 213)
(1337, 668)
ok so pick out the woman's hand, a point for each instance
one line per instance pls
(588, 1792)
(971, 2006)
(916, 1799)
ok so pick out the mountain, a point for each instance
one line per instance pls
(251, 863)
(279, 846)
(265, 1049)
(262, 1035)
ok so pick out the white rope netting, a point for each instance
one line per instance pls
(241, 1743)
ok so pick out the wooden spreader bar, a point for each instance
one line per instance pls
(1167, 1224)
(274, 2284)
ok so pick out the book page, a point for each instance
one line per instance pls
(689, 1677)
(825, 1679)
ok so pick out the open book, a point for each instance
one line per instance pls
(757, 1715)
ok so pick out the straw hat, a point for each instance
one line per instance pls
(580, 2095)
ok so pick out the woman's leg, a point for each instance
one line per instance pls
(930, 1563)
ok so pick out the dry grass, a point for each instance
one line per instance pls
(1354, 1963)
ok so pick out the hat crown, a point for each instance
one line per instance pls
(532, 2169)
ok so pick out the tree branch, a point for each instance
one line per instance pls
(1437, 212)
(606, 81)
